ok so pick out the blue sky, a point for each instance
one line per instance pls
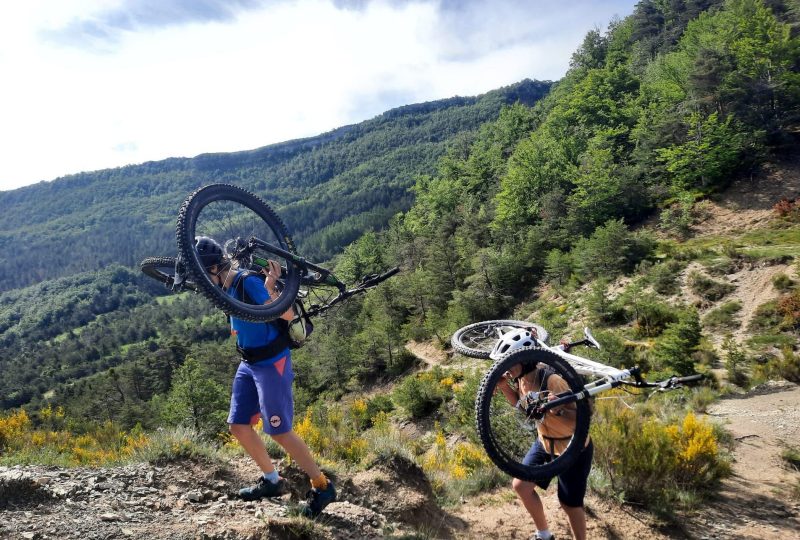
(91, 84)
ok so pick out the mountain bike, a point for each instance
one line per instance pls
(251, 234)
(507, 431)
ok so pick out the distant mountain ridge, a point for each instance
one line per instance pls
(329, 189)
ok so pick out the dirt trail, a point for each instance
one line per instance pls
(756, 502)
(428, 353)
(499, 515)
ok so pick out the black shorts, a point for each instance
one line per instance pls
(572, 482)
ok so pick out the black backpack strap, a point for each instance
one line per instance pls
(271, 350)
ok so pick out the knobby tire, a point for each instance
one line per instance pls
(185, 230)
(465, 339)
(162, 269)
(507, 447)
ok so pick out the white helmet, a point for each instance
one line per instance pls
(511, 341)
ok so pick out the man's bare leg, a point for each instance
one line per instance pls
(526, 491)
(577, 520)
(253, 445)
(299, 451)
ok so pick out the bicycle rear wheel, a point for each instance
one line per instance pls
(163, 269)
(477, 340)
(233, 217)
(508, 432)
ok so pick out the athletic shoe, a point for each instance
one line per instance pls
(317, 499)
(262, 488)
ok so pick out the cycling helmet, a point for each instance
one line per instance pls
(208, 250)
(511, 341)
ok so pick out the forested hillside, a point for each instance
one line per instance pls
(329, 189)
(583, 208)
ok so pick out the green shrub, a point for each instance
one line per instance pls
(603, 310)
(674, 349)
(554, 318)
(610, 251)
(723, 316)
(558, 267)
(735, 363)
(615, 351)
(678, 218)
(461, 414)
(782, 282)
(650, 316)
(791, 455)
(766, 317)
(381, 403)
(708, 288)
(169, 445)
(706, 353)
(664, 277)
(401, 362)
(785, 367)
(702, 398)
(422, 393)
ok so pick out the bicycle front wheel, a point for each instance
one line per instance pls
(509, 431)
(234, 217)
(477, 340)
(162, 269)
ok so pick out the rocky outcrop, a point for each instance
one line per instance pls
(182, 500)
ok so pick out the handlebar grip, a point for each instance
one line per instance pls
(383, 277)
(689, 378)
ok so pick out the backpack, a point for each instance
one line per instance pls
(298, 329)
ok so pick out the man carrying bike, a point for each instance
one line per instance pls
(262, 385)
(555, 430)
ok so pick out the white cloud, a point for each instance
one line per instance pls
(149, 88)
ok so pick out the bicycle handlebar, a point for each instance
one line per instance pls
(373, 279)
(367, 282)
(670, 383)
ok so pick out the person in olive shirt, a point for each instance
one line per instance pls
(555, 430)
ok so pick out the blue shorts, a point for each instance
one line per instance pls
(264, 389)
(572, 482)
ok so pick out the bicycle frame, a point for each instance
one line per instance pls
(326, 277)
(611, 377)
(323, 277)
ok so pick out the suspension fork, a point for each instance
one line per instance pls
(592, 389)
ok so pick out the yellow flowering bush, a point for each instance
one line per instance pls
(647, 460)
(335, 432)
(696, 450)
(309, 432)
(443, 464)
(21, 442)
(12, 426)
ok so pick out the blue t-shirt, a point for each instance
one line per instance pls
(251, 335)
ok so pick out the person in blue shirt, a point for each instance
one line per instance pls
(262, 386)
